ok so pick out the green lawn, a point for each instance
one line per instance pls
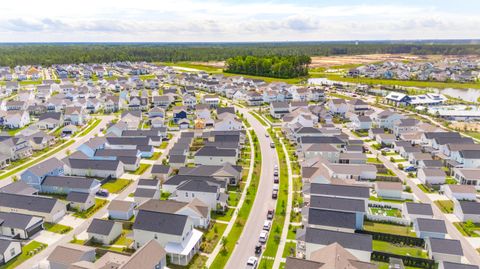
(155, 156)
(446, 206)
(233, 198)
(388, 228)
(56, 228)
(212, 237)
(99, 203)
(378, 199)
(292, 232)
(198, 262)
(463, 228)
(226, 216)
(123, 240)
(398, 249)
(384, 265)
(90, 128)
(256, 116)
(32, 246)
(117, 185)
(373, 160)
(141, 169)
(424, 188)
(164, 145)
(290, 249)
(392, 212)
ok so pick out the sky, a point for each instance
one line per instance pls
(236, 20)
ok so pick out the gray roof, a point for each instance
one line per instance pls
(446, 246)
(117, 152)
(335, 203)
(128, 140)
(453, 140)
(346, 240)
(198, 186)
(469, 207)
(4, 244)
(32, 203)
(432, 135)
(144, 193)
(431, 225)
(140, 133)
(148, 182)
(177, 158)
(19, 187)
(100, 226)
(180, 179)
(321, 139)
(210, 170)
(160, 169)
(17, 220)
(213, 151)
(160, 222)
(419, 209)
(340, 190)
(46, 167)
(69, 182)
(105, 165)
(470, 154)
(332, 218)
(77, 197)
(454, 265)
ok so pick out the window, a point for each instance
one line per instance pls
(186, 194)
(193, 194)
(12, 252)
(156, 237)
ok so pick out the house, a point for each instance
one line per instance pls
(15, 119)
(431, 176)
(433, 228)
(389, 190)
(460, 192)
(14, 148)
(175, 233)
(386, 119)
(405, 126)
(211, 100)
(340, 190)
(93, 168)
(440, 249)
(130, 158)
(146, 189)
(331, 256)
(80, 201)
(412, 211)
(337, 106)
(19, 187)
(230, 123)
(121, 210)
(198, 211)
(75, 115)
(161, 172)
(311, 240)
(35, 175)
(279, 109)
(229, 173)
(65, 185)
(8, 250)
(176, 161)
(63, 256)
(333, 220)
(467, 176)
(151, 255)
(104, 231)
(385, 140)
(467, 210)
(358, 106)
(19, 225)
(209, 155)
(359, 122)
(49, 121)
(454, 265)
(179, 113)
(253, 98)
(50, 209)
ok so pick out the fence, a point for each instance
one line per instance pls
(395, 238)
(380, 218)
(407, 260)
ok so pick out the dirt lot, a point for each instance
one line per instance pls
(329, 61)
(466, 126)
(212, 64)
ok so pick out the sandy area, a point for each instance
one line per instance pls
(328, 61)
(466, 126)
(220, 64)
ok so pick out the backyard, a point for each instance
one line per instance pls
(388, 228)
(117, 185)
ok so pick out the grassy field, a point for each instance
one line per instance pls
(468, 231)
(90, 128)
(405, 83)
(99, 203)
(388, 228)
(56, 228)
(398, 249)
(142, 168)
(32, 246)
(446, 206)
(117, 185)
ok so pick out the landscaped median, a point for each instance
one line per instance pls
(229, 242)
(280, 210)
(90, 127)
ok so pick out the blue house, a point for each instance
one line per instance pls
(179, 113)
(89, 148)
(35, 175)
(65, 185)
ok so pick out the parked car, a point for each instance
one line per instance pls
(275, 191)
(270, 214)
(272, 145)
(410, 169)
(275, 179)
(102, 193)
(252, 263)
(266, 225)
(258, 249)
(267, 135)
(263, 237)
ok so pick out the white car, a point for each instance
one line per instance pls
(266, 225)
(263, 237)
(252, 263)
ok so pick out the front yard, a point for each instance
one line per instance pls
(56, 228)
(399, 249)
(117, 185)
(446, 206)
(469, 229)
(141, 169)
(28, 251)
(99, 203)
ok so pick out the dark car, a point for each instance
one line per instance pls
(258, 249)
(410, 169)
(275, 179)
(274, 194)
(270, 214)
(102, 193)
(272, 145)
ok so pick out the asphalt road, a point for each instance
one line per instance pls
(263, 200)
(468, 250)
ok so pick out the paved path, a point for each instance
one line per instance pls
(469, 251)
(218, 247)
(263, 200)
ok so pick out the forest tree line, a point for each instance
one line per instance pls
(62, 53)
(269, 66)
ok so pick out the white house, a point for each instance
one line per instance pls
(431, 176)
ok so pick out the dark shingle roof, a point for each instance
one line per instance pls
(33, 203)
(16, 220)
(160, 169)
(198, 186)
(100, 226)
(431, 225)
(454, 265)
(469, 207)
(331, 218)
(446, 246)
(77, 197)
(68, 182)
(144, 193)
(160, 222)
(419, 209)
(335, 203)
(340, 190)
(346, 240)
(213, 151)
(104, 165)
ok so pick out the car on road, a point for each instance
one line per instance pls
(252, 263)
(272, 145)
(267, 135)
(258, 249)
(266, 225)
(410, 169)
(270, 214)
(275, 179)
(102, 193)
(263, 237)
(275, 191)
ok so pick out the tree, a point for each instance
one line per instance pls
(224, 242)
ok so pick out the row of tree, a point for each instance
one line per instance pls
(58, 53)
(271, 66)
